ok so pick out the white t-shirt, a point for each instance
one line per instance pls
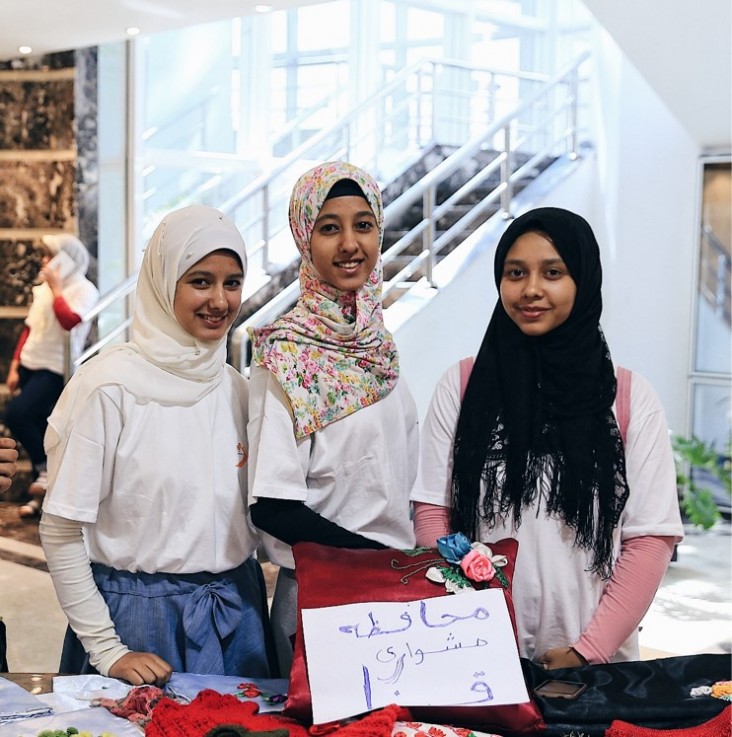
(357, 472)
(159, 488)
(555, 596)
(44, 348)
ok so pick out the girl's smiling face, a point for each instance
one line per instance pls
(537, 290)
(344, 245)
(208, 296)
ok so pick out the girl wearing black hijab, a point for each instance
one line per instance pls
(533, 451)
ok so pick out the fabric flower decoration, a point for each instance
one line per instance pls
(453, 547)
(471, 565)
(477, 566)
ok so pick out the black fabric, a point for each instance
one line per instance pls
(648, 693)
(3, 648)
(345, 188)
(539, 407)
(292, 522)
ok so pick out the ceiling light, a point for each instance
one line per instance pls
(262, 8)
(132, 31)
(25, 50)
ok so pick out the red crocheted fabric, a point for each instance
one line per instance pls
(211, 709)
(719, 726)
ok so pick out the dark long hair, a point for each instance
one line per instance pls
(536, 418)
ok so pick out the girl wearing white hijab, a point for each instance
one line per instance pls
(61, 300)
(145, 523)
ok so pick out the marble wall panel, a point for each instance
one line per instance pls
(37, 194)
(21, 262)
(36, 115)
(87, 158)
(48, 172)
(10, 329)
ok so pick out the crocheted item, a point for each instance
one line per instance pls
(211, 709)
(719, 690)
(722, 690)
(719, 726)
(137, 706)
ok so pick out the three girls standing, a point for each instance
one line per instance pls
(532, 450)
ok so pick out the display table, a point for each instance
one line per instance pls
(657, 694)
(35, 683)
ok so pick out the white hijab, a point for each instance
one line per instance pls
(41, 312)
(181, 240)
(162, 362)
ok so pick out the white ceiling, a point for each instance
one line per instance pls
(684, 51)
(58, 25)
(682, 48)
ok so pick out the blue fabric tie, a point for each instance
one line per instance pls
(212, 613)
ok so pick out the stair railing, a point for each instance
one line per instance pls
(508, 136)
(555, 123)
(410, 97)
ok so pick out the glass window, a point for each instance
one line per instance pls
(323, 26)
(714, 316)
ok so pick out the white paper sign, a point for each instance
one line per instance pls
(450, 650)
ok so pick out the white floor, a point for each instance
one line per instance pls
(692, 611)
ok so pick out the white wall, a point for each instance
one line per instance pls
(647, 193)
(683, 49)
(639, 192)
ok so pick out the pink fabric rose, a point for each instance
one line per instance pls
(477, 567)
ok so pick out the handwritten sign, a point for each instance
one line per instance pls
(450, 650)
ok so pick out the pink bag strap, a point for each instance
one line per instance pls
(622, 395)
(466, 367)
(622, 401)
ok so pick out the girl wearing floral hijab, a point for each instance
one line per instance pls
(533, 451)
(333, 429)
(145, 522)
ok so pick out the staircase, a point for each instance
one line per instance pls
(441, 179)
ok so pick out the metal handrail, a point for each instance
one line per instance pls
(123, 290)
(259, 191)
(424, 190)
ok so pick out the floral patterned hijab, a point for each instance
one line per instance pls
(331, 353)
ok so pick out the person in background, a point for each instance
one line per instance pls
(61, 300)
(534, 451)
(333, 428)
(8, 457)
(144, 524)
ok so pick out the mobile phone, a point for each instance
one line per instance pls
(63, 262)
(560, 689)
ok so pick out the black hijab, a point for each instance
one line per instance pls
(539, 409)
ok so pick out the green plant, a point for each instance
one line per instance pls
(698, 501)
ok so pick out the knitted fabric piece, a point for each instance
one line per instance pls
(719, 726)
(211, 709)
(137, 706)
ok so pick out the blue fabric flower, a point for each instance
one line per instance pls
(453, 548)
